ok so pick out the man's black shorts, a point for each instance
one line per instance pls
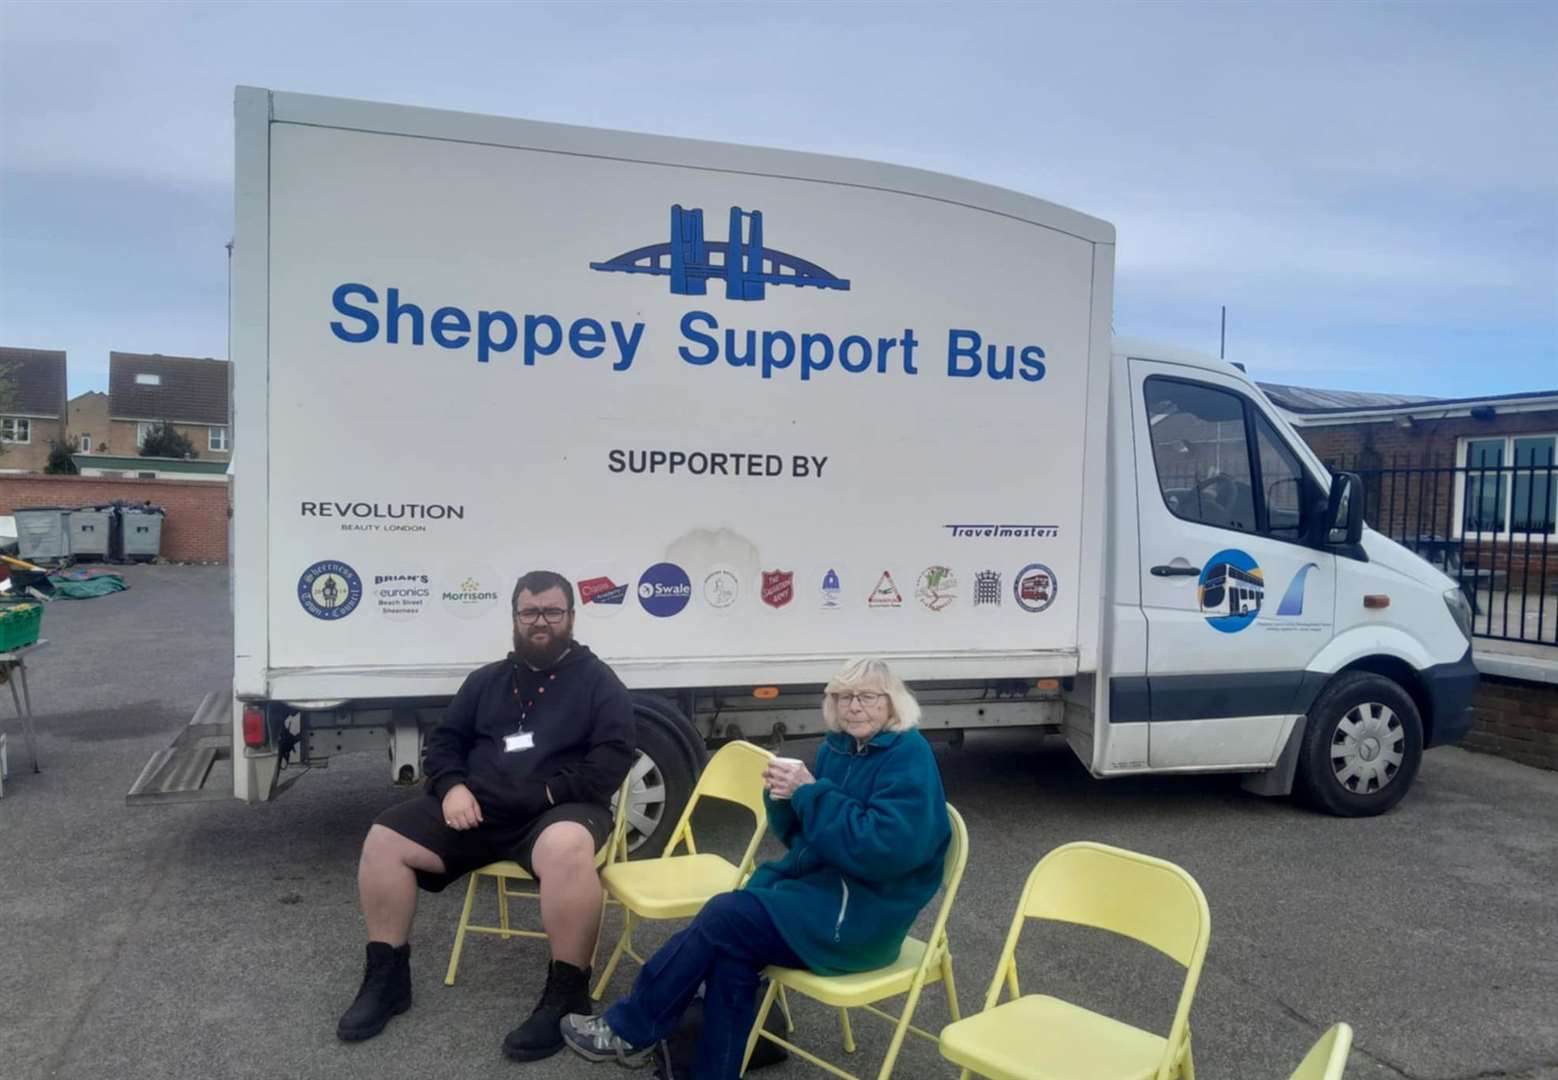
(422, 820)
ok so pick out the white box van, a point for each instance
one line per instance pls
(768, 411)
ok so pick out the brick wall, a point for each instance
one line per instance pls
(194, 530)
(1517, 720)
(1429, 441)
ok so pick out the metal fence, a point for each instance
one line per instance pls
(1491, 528)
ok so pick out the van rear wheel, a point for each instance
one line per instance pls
(661, 778)
(1362, 747)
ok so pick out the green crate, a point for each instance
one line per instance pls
(20, 625)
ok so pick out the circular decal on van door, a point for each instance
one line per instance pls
(1231, 590)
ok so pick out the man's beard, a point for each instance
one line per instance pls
(538, 654)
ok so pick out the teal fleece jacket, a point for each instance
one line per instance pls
(866, 841)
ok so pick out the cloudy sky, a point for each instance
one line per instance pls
(1371, 189)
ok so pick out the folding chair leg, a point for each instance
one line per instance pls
(616, 954)
(849, 1035)
(459, 934)
(901, 1030)
(784, 1007)
(1187, 1065)
(952, 990)
(600, 931)
(757, 1025)
(503, 908)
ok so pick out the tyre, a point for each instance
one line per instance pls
(1362, 746)
(661, 778)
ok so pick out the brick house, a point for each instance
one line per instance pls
(1474, 473)
(88, 423)
(35, 415)
(194, 395)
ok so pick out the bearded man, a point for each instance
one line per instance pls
(523, 767)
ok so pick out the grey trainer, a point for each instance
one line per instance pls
(591, 1037)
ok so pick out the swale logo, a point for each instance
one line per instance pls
(746, 265)
(664, 590)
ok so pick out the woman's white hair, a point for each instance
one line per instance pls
(871, 673)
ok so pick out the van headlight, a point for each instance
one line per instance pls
(1460, 611)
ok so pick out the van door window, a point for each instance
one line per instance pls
(1282, 481)
(1202, 453)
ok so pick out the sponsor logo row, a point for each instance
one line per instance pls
(666, 590)
(331, 590)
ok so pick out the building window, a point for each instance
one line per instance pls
(85, 442)
(1509, 487)
(142, 430)
(148, 380)
(217, 438)
(15, 429)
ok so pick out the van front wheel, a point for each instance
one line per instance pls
(1362, 747)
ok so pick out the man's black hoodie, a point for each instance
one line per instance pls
(578, 714)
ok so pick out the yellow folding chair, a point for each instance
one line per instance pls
(1037, 1037)
(918, 963)
(1327, 1059)
(675, 886)
(506, 872)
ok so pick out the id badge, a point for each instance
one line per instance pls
(524, 740)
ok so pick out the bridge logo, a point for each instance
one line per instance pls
(746, 266)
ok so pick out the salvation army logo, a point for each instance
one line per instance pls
(329, 590)
(778, 587)
(1231, 589)
(1034, 587)
(602, 597)
(664, 590)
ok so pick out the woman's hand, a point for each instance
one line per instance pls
(783, 779)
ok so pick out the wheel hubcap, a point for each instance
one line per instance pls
(646, 800)
(1368, 748)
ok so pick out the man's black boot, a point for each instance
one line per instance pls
(386, 992)
(567, 991)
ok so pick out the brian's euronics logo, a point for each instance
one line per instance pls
(746, 266)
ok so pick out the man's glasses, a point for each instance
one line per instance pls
(530, 616)
(868, 699)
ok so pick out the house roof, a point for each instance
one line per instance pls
(187, 390)
(1309, 408)
(1304, 399)
(37, 380)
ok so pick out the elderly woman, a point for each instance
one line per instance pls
(866, 833)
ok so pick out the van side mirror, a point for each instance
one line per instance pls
(1343, 520)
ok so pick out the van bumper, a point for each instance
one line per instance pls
(1451, 688)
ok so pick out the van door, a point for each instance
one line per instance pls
(1237, 602)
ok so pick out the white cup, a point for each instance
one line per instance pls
(788, 763)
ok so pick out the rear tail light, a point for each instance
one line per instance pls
(253, 726)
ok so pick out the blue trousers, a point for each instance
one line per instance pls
(725, 949)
